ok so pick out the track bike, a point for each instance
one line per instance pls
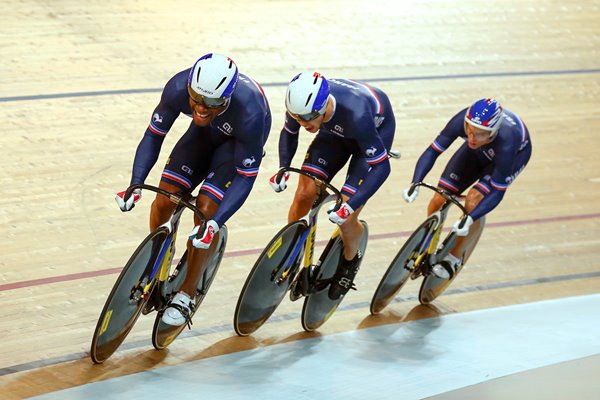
(148, 282)
(286, 264)
(421, 252)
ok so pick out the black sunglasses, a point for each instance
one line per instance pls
(206, 101)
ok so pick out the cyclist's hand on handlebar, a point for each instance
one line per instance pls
(409, 198)
(128, 204)
(207, 236)
(282, 184)
(465, 228)
(341, 215)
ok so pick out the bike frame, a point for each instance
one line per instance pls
(429, 250)
(162, 265)
(307, 240)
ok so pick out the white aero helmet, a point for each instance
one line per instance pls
(212, 80)
(306, 96)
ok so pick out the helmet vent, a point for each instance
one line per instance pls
(308, 99)
(220, 83)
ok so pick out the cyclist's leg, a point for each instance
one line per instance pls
(186, 167)
(183, 171)
(303, 198)
(197, 257)
(219, 175)
(463, 169)
(352, 230)
(478, 192)
(162, 208)
(325, 156)
(474, 196)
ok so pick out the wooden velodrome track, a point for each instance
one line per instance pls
(79, 83)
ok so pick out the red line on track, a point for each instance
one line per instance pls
(246, 252)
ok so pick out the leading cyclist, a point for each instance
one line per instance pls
(222, 147)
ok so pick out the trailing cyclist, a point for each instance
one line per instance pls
(496, 150)
(222, 148)
(352, 120)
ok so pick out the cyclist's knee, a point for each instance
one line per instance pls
(473, 198)
(207, 206)
(160, 211)
(436, 202)
(306, 193)
(162, 203)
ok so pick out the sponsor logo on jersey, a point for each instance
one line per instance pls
(489, 153)
(510, 179)
(157, 118)
(344, 84)
(378, 120)
(370, 152)
(187, 170)
(248, 162)
(226, 128)
(322, 161)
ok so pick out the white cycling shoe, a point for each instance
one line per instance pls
(446, 268)
(179, 310)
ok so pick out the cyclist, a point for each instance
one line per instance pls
(496, 150)
(222, 147)
(353, 121)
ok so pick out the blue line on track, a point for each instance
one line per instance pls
(279, 84)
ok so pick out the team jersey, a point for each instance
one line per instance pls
(246, 118)
(359, 110)
(501, 152)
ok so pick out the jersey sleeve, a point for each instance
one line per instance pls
(288, 141)
(148, 150)
(445, 138)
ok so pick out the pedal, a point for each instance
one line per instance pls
(151, 303)
(297, 289)
(148, 308)
(295, 292)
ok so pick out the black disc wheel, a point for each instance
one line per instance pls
(127, 298)
(402, 266)
(432, 286)
(318, 307)
(270, 278)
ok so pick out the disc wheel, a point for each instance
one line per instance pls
(126, 299)
(318, 307)
(401, 267)
(270, 278)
